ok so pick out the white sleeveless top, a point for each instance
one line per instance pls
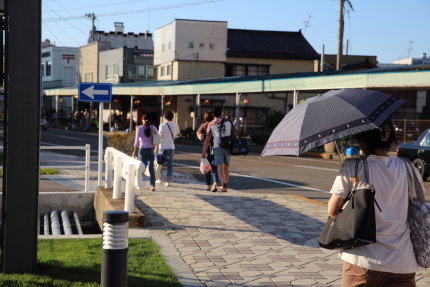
(392, 251)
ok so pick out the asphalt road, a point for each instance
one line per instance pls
(303, 176)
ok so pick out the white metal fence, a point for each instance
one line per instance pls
(85, 166)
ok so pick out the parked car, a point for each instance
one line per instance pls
(43, 124)
(418, 153)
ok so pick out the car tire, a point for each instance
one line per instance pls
(419, 164)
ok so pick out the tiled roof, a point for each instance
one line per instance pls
(269, 44)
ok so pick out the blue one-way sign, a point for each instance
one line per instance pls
(95, 92)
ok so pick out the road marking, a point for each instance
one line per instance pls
(321, 168)
(263, 179)
(70, 138)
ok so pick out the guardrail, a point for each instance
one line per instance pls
(120, 166)
(86, 166)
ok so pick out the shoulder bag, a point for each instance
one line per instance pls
(225, 141)
(355, 223)
(418, 218)
(156, 138)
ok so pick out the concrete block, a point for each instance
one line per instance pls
(103, 201)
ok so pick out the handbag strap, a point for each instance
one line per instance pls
(170, 131)
(415, 189)
(366, 175)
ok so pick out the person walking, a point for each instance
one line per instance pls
(220, 127)
(212, 175)
(391, 260)
(144, 148)
(168, 130)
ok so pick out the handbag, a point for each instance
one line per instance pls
(418, 218)
(239, 146)
(355, 223)
(161, 158)
(156, 138)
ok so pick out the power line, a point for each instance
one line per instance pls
(117, 3)
(161, 8)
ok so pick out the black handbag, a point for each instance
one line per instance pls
(355, 223)
(239, 147)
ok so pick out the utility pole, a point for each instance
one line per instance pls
(340, 36)
(92, 16)
(340, 33)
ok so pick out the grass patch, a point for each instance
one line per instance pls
(48, 171)
(42, 171)
(77, 263)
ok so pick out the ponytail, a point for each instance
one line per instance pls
(147, 126)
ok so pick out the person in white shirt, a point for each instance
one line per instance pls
(220, 127)
(169, 131)
(391, 260)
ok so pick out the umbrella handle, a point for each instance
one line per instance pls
(338, 151)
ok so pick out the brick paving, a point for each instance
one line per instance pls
(239, 239)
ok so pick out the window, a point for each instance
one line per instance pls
(162, 47)
(251, 116)
(48, 68)
(112, 70)
(150, 71)
(190, 45)
(162, 71)
(239, 70)
(42, 68)
(246, 70)
(140, 70)
(170, 45)
(89, 77)
(169, 70)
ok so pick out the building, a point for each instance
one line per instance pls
(187, 49)
(125, 65)
(59, 68)
(424, 60)
(116, 56)
(191, 50)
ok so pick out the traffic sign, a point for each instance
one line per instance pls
(95, 92)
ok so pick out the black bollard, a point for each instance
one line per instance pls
(115, 249)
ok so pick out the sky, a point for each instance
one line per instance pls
(388, 29)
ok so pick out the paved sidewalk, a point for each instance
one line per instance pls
(232, 239)
(238, 239)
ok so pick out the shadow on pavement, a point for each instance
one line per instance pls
(269, 217)
(250, 214)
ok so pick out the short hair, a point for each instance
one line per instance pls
(208, 117)
(168, 115)
(217, 112)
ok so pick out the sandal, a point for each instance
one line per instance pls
(152, 188)
(214, 189)
(224, 187)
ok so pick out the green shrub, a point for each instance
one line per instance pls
(121, 141)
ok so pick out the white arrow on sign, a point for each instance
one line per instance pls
(90, 92)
